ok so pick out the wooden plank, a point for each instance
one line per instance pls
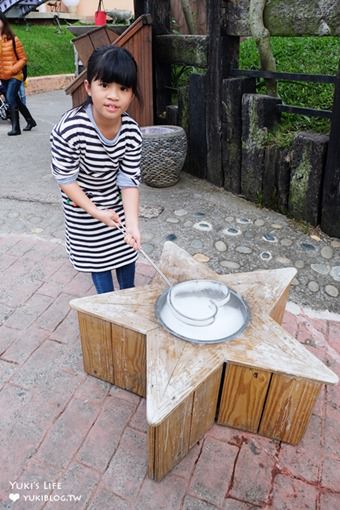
(288, 408)
(279, 307)
(128, 348)
(99, 38)
(84, 49)
(160, 14)
(87, 42)
(243, 396)
(204, 406)
(79, 96)
(159, 10)
(76, 84)
(330, 208)
(232, 92)
(169, 441)
(95, 336)
(196, 162)
(213, 104)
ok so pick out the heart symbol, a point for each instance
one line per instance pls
(14, 497)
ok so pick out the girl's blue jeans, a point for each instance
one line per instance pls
(125, 276)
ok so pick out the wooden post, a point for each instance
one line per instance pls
(222, 56)
(196, 163)
(330, 210)
(160, 13)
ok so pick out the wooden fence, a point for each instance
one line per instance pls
(201, 109)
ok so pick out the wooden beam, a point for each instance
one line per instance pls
(285, 17)
(330, 209)
(182, 49)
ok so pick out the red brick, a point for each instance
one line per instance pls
(72, 360)
(79, 285)
(319, 407)
(27, 342)
(6, 371)
(290, 323)
(15, 290)
(253, 471)
(233, 504)
(7, 242)
(125, 395)
(331, 472)
(36, 475)
(26, 314)
(191, 503)
(105, 435)
(167, 494)
(303, 461)
(128, 466)
(56, 313)
(22, 426)
(106, 500)
(23, 245)
(45, 369)
(68, 432)
(334, 335)
(308, 333)
(92, 389)
(186, 467)
(6, 261)
(227, 434)
(330, 501)
(332, 431)
(138, 420)
(333, 396)
(291, 494)
(213, 473)
(77, 481)
(67, 331)
(7, 337)
(64, 274)
(51, 289)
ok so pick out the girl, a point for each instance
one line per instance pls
(96, 150)
(12, 61)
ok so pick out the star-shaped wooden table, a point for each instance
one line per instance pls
(264, 381)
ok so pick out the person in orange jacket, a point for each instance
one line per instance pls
(12, 61)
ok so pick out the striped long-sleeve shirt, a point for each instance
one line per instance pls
(81, 154)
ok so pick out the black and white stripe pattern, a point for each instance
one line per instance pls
(80, 154)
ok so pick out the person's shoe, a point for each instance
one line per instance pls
(30, 124)
(14, 117)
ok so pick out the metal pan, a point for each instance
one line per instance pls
(205, 316)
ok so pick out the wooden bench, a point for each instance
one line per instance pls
(263, 382)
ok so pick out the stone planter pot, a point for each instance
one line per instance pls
(163, 155)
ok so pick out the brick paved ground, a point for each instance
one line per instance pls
(65, 434)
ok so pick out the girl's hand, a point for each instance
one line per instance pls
(132, 237)
(108, 216)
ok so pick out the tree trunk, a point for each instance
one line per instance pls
(262, 38)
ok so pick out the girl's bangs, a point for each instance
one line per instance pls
(113, 68)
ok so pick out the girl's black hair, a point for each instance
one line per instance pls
(113, 64)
